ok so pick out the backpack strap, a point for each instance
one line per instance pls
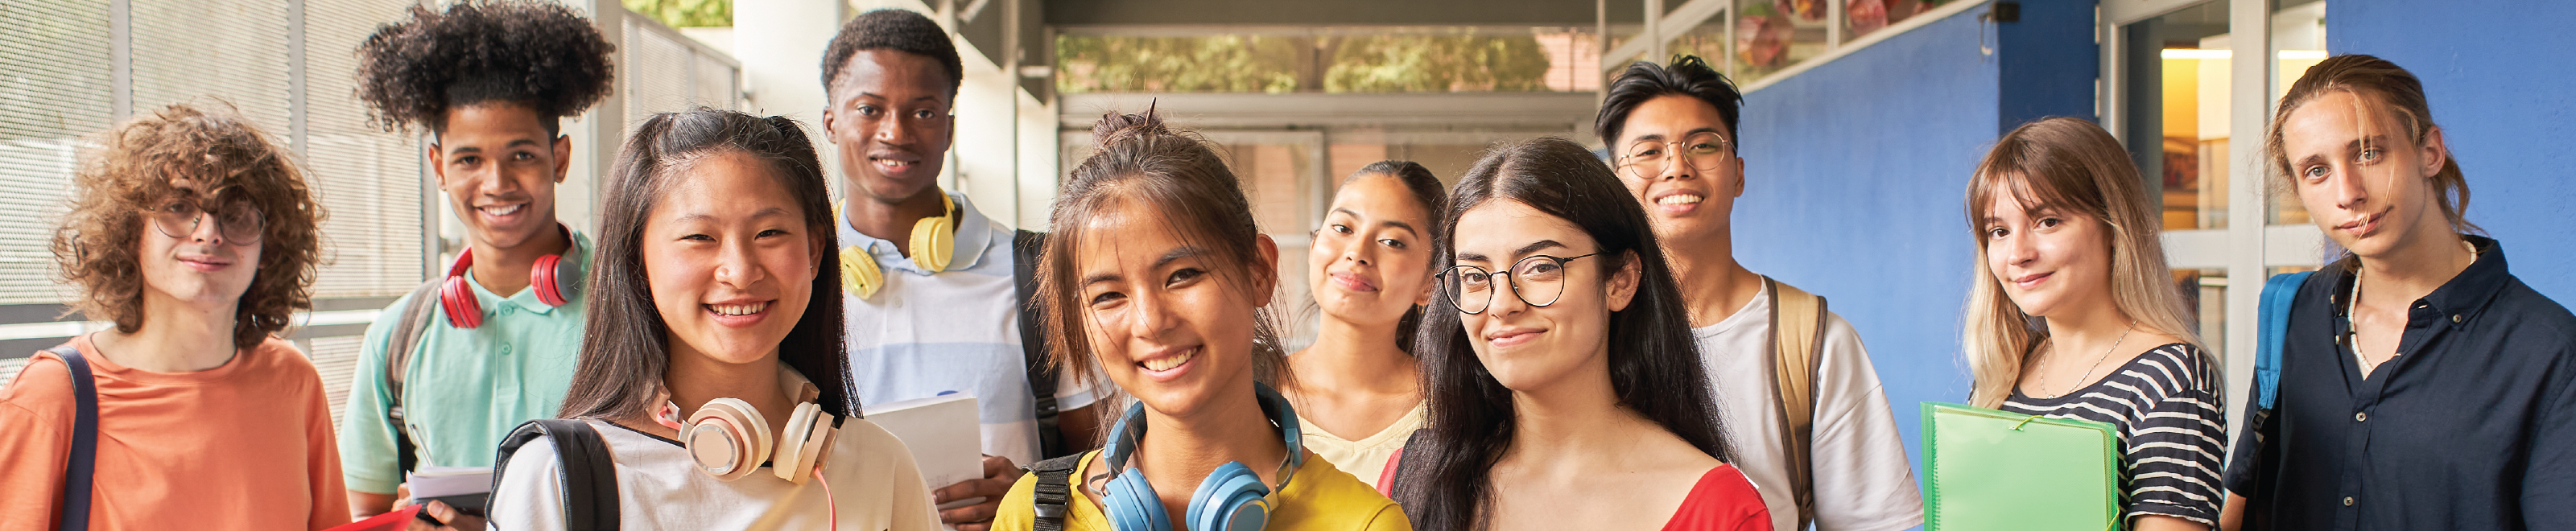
(415, 322)
(79, 472)
(1797, 333)
(2278, 293)
(1025, 246)
(1053, 497)
(589, 476)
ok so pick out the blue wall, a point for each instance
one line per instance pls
(2498, 74)
(1856, 171)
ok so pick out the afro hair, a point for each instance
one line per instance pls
(539, 54)
(892, 29)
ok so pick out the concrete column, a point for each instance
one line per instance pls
(780, 44)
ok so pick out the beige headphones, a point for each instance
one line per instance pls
(729, 439)
(934, 241)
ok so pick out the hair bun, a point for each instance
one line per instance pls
(1115, 128)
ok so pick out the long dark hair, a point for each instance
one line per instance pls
(1428, 194)
(1654, 359)
(626, 346)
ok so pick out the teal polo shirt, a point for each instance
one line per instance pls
(463, 389)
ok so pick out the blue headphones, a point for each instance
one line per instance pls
(1231, 499)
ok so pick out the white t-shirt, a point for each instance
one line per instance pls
(926, 334)
(874, 486)
(1862, 478)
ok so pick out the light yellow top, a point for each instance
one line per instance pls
(1364, 458)
(1319, 497)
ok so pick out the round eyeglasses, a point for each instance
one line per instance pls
(1703, 151)
(239, 222)
(1537, 280)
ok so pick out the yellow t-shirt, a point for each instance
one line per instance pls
(1364, 458)
(1319, 497)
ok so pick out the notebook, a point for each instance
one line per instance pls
(944, 435)
(1989, 469)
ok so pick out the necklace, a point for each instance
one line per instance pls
(2097, 362)
(2352, 315)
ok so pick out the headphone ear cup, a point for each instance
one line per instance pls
(542, 277)
(727, 438)
(1131, 505)
(1231, 499)
(934, 241)
(457, 299)
(801, 444)
(859, 274)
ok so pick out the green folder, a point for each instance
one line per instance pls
(1987, 469)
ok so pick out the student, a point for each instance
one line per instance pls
(716, 276)
(928, 280)
(1157, 274)
(1833, 458)
(447, 370)
(1359, 396)
(2065, 234)
(2422, 385)
(1564, 384)
(195, 234)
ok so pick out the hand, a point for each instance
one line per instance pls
(456, 520)
(999, 474)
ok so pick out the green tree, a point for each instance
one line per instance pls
(1438, 63)
(685, 13)
(1224, 63)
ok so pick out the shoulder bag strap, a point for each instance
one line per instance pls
(83, 465)
(415, 322)
(1797, 330)
(589, 475)
(2278, 293)
(1053, 498)
(1025, 246)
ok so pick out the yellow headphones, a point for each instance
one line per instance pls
(934, 241)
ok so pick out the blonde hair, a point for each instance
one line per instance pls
(2074, 166)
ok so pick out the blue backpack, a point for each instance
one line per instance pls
(2274, 331)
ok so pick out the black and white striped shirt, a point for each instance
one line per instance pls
(2166, 406)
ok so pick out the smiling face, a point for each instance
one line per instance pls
(2361, 178)
(2047, 259)
(1685, 203)
(1371, 261)
(1164, 323)
(889, 120)
(1527, 347)
(730, 260)
(202, 268)
(499, 168)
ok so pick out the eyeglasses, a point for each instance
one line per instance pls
(1703, 151)
(239, 222)
(1537, 280)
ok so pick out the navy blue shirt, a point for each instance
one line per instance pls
(2471, 426)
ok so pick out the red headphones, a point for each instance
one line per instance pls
(555, 277)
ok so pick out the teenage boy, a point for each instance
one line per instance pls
(1804, 408)
(933, 299)
(194, 233)
(448, 370)
(2421, 385)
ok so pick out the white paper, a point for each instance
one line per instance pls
(944, 434)
(441, 481)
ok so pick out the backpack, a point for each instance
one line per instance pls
(79, 470)
(2272, 333)
(1798, 342)
(589, 475)
(1025, 247)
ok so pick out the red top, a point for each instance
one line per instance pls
(1723, 500)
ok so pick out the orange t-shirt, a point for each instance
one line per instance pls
(247, 445)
